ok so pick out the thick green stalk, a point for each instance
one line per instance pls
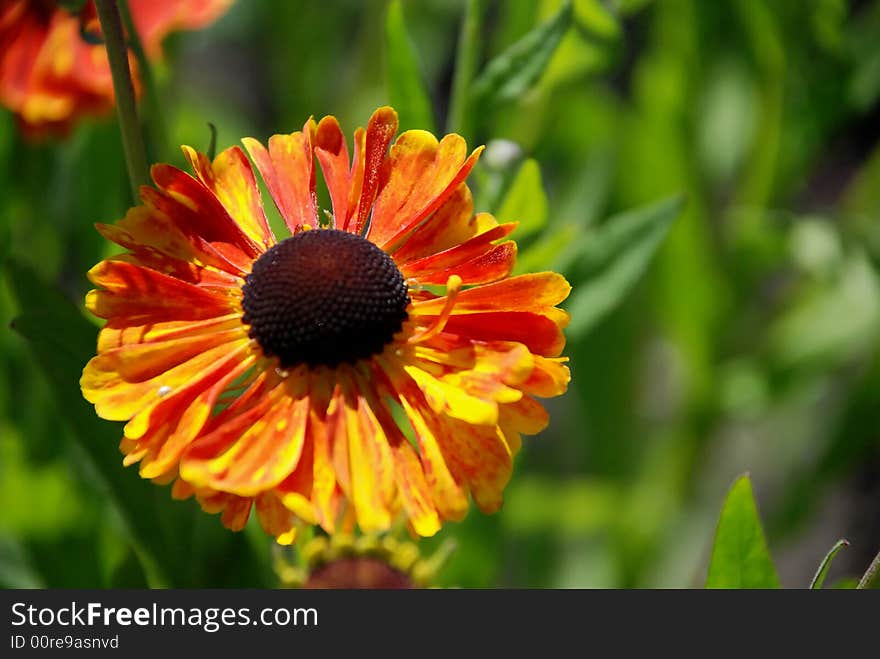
(156, 131)
(126, 106)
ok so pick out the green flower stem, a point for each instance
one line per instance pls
(126, 107)
(157, 133)
(466, 57)
(872, 573)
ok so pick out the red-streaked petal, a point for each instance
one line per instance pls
(252, 452)
(380, 131)
(455, 256)
(147, 229)
(129, 290)
(477, 455)
(231, 178)
(450, 225)
(414, 188)
(288, 169)
(493, 264)
(200, 211)
(540, 334)
(209, 278)
(171, 425)
(447, 488)
(119, 332)
(116, 399)
(522, 293)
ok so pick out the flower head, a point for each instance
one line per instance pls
(51, 74)
(384, 364)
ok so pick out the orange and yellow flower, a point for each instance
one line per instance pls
(381, 361)
(50, 75)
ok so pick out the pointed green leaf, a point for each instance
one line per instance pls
(739, 557)
(822, 572)
(525, 201)
(406, 90)
(611, 261)
(513, 72)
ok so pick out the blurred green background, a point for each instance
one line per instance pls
(735, 333)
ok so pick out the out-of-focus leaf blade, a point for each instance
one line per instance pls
(739, 557)
(513, 72)
(525, 201)
(15, 568)
(405, 87)
(611, 261)
(597, 18)
(822, 572)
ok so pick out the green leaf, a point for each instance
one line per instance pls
(513, 72)
(178, 543)
(610, 261)
(740, 558)
(597, 18)
(822, 572)
(406, 90)
(525, 201)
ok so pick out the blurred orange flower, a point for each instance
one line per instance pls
(380, 360)
(51, 74)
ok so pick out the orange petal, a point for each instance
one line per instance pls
(540, 334)
(136, 362)
(448, 490)
(495, 263)
(324, 483)
(371, 464)
(531, 292)
(138, 292)
(416, 189)
(200, 211)
(231, 178)
(149, 229)
(295, 491)
(549, 377)
(450, 225)
(380, 130)
(166, 428)
(119, 332)
(332, 153)
(192, 273)
(252, 452)
(275, 519)
(415, 493)
(455, 256)
(116, 399)
(289, 172)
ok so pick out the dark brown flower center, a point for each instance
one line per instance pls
(324, 297)
(358, 572)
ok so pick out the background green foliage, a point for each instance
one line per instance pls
(706, 174)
